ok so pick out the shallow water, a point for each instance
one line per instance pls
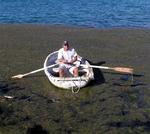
(110, 104)
(95, 13)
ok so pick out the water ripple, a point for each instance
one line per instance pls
(95, 13)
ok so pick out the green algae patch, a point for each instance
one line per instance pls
(110, 104)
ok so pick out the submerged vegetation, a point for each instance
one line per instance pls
(110, 104)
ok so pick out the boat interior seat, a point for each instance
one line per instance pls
(55, 72)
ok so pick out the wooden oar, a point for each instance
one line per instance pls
(19, 76)
(118, 69)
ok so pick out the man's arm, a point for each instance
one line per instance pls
(60, 58)
(73, 60)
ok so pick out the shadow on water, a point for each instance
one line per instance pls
(132, 124)
(98, 75)
(36, 129)
(131, 85)
(6, 86)
(132, 82)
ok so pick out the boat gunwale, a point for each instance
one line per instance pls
(84, 78)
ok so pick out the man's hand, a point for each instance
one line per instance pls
(62, 61)
(66, 61)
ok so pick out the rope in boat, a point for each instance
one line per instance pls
(77, 87)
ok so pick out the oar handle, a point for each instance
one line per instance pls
(118, 69)
(94, 66)
(38, 70)
(100, 67)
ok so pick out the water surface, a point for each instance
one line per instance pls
(88, 13)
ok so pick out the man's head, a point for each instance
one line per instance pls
(65, 45)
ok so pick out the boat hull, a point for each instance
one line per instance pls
(67, 82)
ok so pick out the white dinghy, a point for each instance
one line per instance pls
(85, 74)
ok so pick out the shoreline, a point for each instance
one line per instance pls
(73, 26)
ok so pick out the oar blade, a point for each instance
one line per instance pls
(19, 76)
(123, 70)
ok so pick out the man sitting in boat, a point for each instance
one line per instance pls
(67, 57)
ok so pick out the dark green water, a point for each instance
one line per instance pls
(110, 104)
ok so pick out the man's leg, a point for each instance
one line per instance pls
(76, 72)
(62, 70)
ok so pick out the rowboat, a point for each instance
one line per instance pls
(85, 74)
